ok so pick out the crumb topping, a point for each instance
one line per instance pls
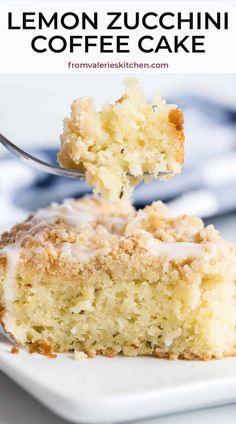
(78, 232)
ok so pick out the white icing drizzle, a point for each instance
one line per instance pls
(70, 215)
(173, 250)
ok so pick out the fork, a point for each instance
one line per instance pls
(50, 168)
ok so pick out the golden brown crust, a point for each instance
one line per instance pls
(43, 347)
(2, 309)
(15, 350)
(177, 119)
(91, 353)
(122, 98)
(109, 353)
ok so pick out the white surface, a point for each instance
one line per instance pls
(106, 390)
(27, 410)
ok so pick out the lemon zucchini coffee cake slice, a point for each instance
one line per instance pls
(118, 145)
(101, 278)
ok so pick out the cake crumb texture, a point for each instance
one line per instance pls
(131, 136)
(98, 277)
(15, 350)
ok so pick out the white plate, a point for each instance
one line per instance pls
(103, 390)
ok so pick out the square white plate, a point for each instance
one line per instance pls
(103, 390)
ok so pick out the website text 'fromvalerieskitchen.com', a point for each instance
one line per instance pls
(116, 65)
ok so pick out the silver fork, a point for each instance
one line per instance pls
(48, 167)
